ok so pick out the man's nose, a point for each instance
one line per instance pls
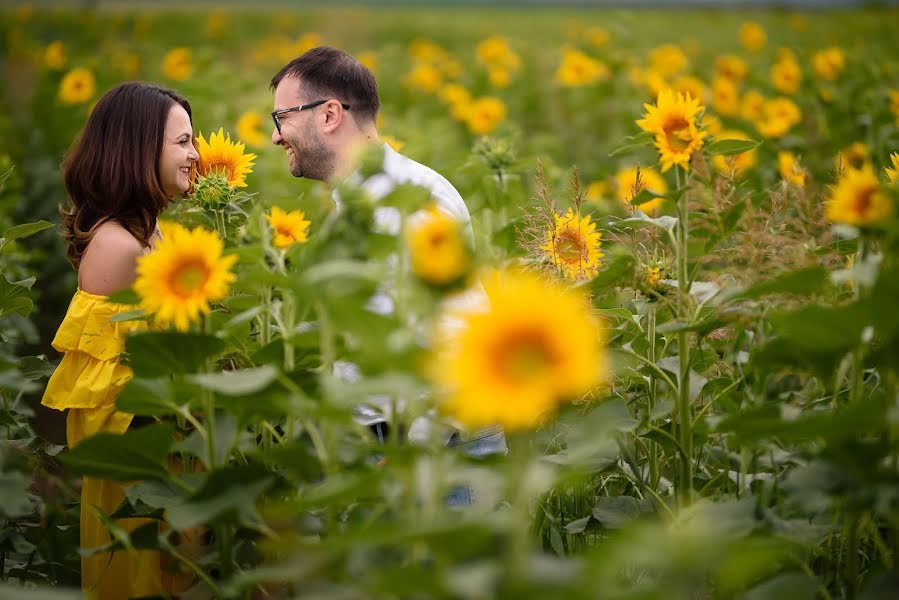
(276, 136)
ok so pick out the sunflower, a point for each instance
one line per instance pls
(249, 129)
(789, 168)
(780, 114)
(436, 246)
(177, 64)
(893, 174)
(737, 163)
(829, 63)
(786, 75)
(692, 86)
(857, 199)
(77, 87)
(289, 227)
(484, 114)
(185, 271)
(395, 143)
(855, 156)
(534, 346)
(894, 104)
(221, 155)
(731, 67)
(667, 60)
(626, 188)
(368, 59)
(673, 121)
(725, 97)
(577, 69)
(752, 36)
(425, 77)
(573, 245)
(55, 55)
(752, 106)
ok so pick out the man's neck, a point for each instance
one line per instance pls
(348, 161)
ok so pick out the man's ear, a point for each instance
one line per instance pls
(334, 115)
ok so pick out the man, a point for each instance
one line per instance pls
(326, 108)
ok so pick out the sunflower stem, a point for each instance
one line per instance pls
(653, 448)
(684, 419)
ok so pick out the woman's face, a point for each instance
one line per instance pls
(178, 152)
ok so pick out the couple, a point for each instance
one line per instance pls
(137, 154)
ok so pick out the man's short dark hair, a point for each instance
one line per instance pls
(327, 72)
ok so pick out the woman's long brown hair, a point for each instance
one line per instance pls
(112, 171)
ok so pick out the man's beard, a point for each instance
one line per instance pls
(315, 161)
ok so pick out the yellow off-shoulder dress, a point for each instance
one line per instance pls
(87, 382)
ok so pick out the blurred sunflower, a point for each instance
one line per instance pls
(425, 77)
(737, 164)
(533, 347)
(495, 52)
(731, 67)
(667, 60)
(573, 245)
(893, 174)
(453, 93)
(184, 272)
(752, 106)
(249, 129)
(780, 115)
(829, 63)
(55, 55)
(369, 60)
(307, 41)
(786, 75)
(393, 142)
(790, 169)
(77, 87)
(673, 121)
(687, 84)
(289, 227)
(725, 97)
(597, 37)
(484, 114)
(857, 199)
(577, 69)
(711, 124)
(627, 188)
(436, 245)
(894, 104)
(596, 191)
(752, 36)
(221, 155)
(178, 64)
(855, 156)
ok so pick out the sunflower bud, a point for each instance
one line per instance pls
(212, 190)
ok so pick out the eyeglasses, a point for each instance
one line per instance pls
(276, 115)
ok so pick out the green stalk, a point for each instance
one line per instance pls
(653, 447)
(852, 558)
(684, 419)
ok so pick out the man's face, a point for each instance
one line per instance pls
(300, 136)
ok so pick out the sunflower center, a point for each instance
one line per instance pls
(863, 200)
(523, 355)
(437, 239)
(569, 246)
(188, 277)
(677, 131)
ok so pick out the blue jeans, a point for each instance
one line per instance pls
(481, 443)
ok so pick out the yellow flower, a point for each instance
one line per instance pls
(534, 346)
(652, 276)
(451, 68)
(453, 93)
(307, 41)
(737, 163)
(436, 246)
(184, 272)
(731, 67)
(893, 174)
(221, 155)
(667, 60)
(77, 87)
(855, 156)
(249, 129)
(393, 142)
(128, 63)
(484, 114)
(711, 124)
(789, 168)
(894, 104)
(725, 97)
(596, 191)
(752, 36)
(786, 76)
(368, 59)
(597, 37)
(673, 121)
(780, 114)
(573, 246)
(689, 85)
(424, 50)
(752, 107)
(289, 227)
(425, 77)
(829, 63)
(626, 188)
(857, 199)
(55, 55)
(499, 78)
(578, 69)
(216, 24)
(495, 52)
(178, 64)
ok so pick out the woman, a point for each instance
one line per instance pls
(135, 155)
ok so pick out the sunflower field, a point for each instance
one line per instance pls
(679, 305)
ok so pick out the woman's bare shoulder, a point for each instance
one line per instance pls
(110, 262)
